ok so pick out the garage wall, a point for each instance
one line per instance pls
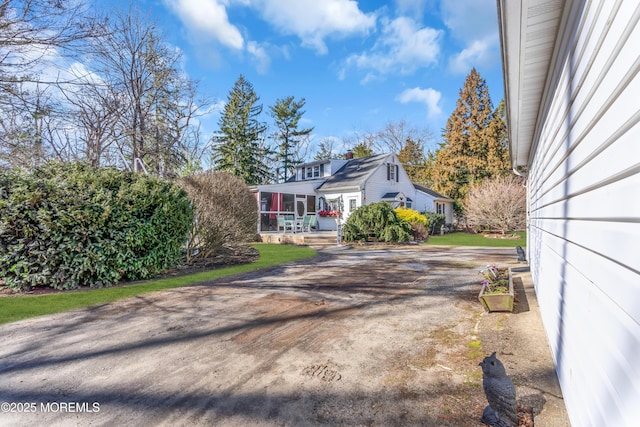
(584, 193)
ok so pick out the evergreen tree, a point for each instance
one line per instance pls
(239, 148)
(362, 150)
(287, 114)
(325, 150)
(474, 141)
(414, 161)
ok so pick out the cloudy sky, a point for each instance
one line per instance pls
(358, 64)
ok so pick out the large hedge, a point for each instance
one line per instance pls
(71, 225)
(376, 221)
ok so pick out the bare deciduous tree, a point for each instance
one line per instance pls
(394, 136)
(34, 36)
(158, 101)
(33, 29)
(497, 204)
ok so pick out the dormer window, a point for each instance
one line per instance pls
(312, 171)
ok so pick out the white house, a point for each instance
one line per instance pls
(428, 200)
(572, 86)
(344, 185)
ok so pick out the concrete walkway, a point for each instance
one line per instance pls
(520, 340)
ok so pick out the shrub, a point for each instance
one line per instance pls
(71, 225)
(419, 231)
(497, 204)
(225, 212)
(378, 221)
(411, 215)
(417, 221)
(436, 221)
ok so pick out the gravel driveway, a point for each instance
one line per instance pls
(351, 337)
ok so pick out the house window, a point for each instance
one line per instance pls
(440, 208)
(316, 171)
(352, 205)
(392, 172)
(309, 173)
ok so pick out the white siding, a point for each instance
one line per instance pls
(347, 197)
(378, 185)
(427, 203)
(584, 195)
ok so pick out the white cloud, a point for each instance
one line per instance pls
(429, 97)
(414, 7)
(475, 24)
(259, 55)
(403, 47)
(470, 19)
(313, 21)
(479, 52)
(82, 74)
(208, 18)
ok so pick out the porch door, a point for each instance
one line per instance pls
(301, 206)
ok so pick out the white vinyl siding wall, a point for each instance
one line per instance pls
(584, 195)
(377, 184)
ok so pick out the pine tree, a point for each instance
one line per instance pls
(325, 150)
(414, 161)
(474, 141)
(362, 150)
(287, 114)
(239, 148)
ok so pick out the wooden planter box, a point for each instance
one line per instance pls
(498, 302)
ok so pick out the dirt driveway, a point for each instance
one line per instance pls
(351, 337)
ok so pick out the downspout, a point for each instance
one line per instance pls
(525, 175)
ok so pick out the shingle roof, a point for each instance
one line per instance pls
(354, 173)
(390, 196)
(430, 192)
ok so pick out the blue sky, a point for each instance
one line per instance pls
(358, 64)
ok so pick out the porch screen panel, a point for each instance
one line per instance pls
(311, 204)
(288, 202)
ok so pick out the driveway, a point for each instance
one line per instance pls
(351, 337)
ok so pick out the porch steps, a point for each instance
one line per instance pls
(321, 239)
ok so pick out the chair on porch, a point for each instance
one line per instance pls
(309, 222)
(285, 222)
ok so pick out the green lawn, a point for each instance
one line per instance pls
(14, 308)
(467, 239)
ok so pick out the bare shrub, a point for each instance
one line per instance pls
(225, 212)
(497, 204)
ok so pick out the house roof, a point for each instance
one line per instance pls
(529, 41)
(431, 192)
(354, 173)
(390, 196)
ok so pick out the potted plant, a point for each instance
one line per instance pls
(497, 289)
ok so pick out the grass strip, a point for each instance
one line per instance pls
(13, 308)
(468, 239)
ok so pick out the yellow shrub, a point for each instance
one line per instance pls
(411, 216)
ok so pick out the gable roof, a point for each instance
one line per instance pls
(431, 192)
(354, 173)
